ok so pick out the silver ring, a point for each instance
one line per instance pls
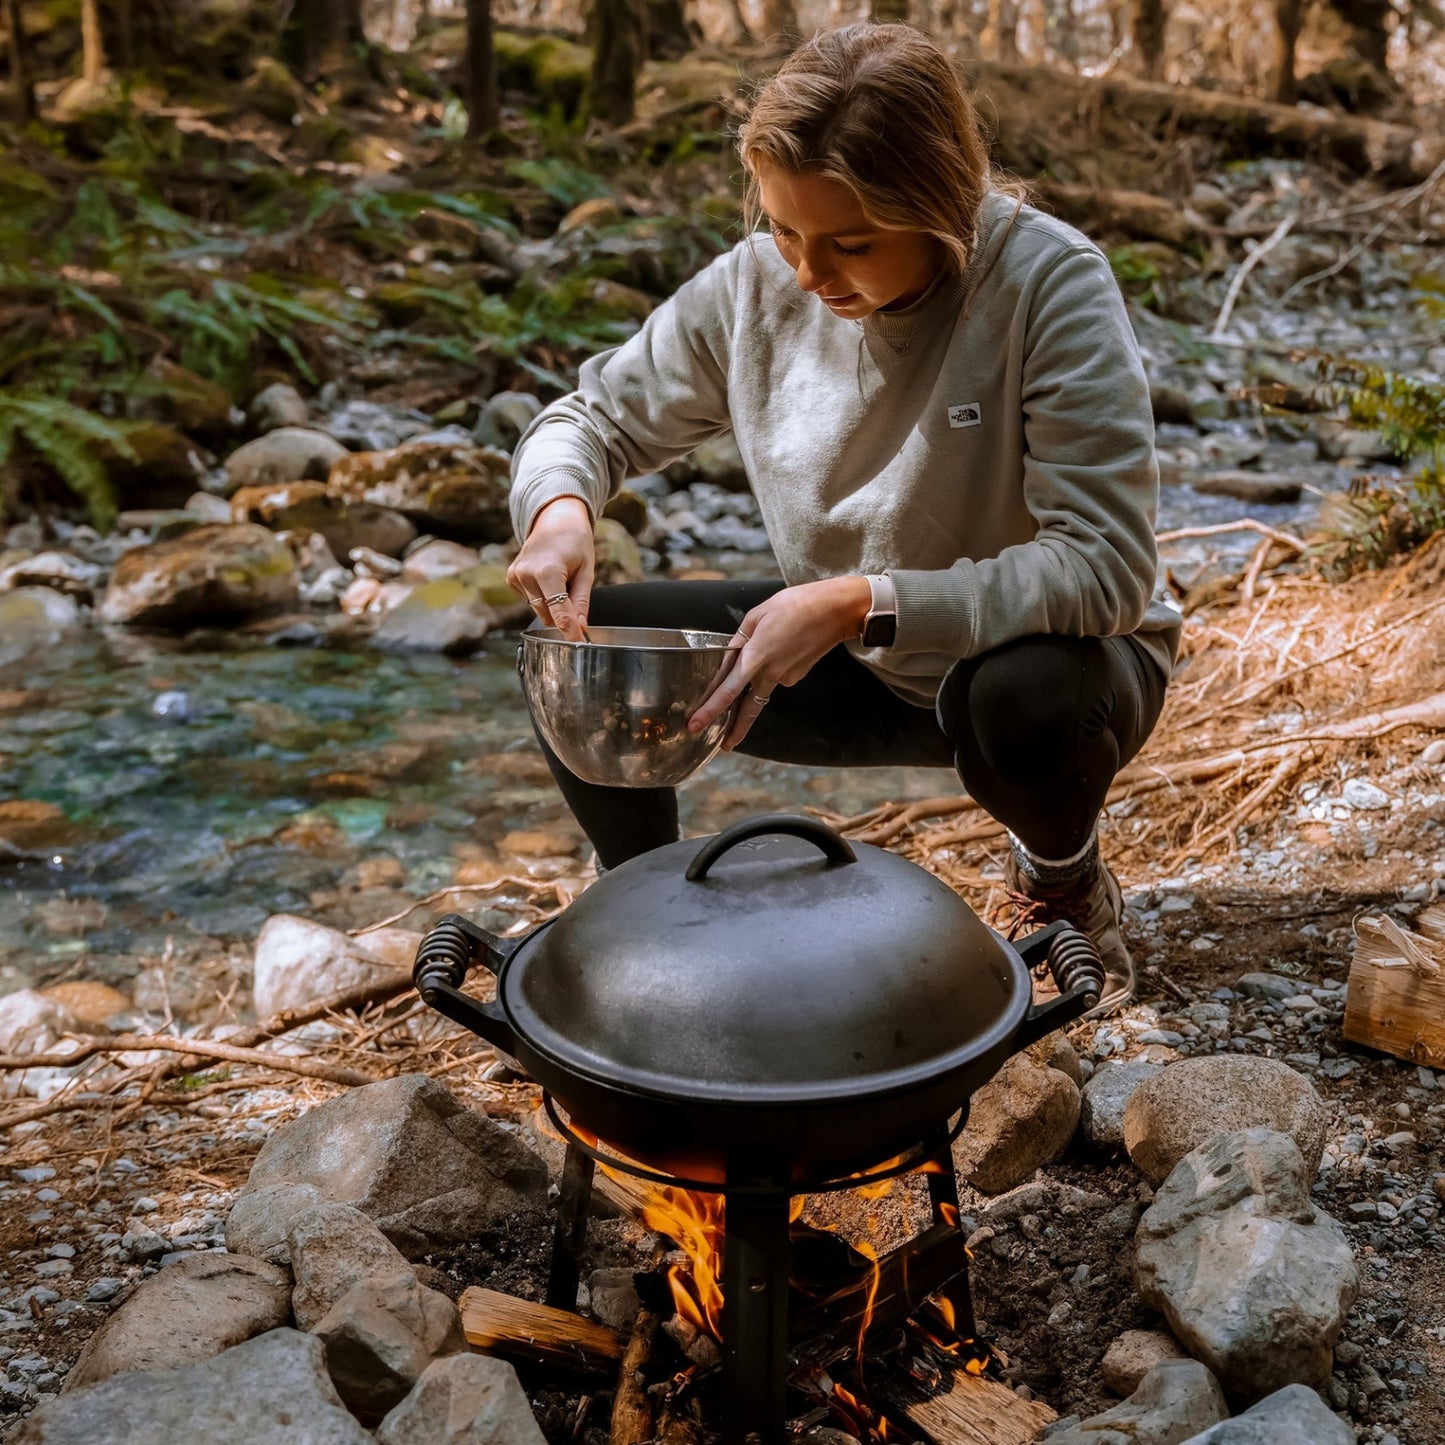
(762, 698)
(555, 599)
(534, 601)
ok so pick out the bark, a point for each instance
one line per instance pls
(20, 77)
(481, 78)
(1246, 128)
(125, 35)
(1132, 213)
(780, 24)
(1151, 19)
(1288, 17)
(890, 11)
(1369, 22)
(669, 33)
(619, 45)
(92, 51)
(329, 32)
(1003, 20)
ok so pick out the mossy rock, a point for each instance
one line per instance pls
(402, 302)
(619, 559)
(549, 66)
(629, 509)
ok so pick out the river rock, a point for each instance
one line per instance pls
(177, 395)
(62, 571)
(212, 574)
(34, 619)
(1129, 1358)
(405, 1152)
(617, 555)
(1252, 1279)
(717, 460)
(447, 614)
(1292, 1416)
(31, 1023)
(381, 1335)
(1260, 488)
(297, 962)
(192, 1310)
(1174, 1401)
(1107, 1095)
(333, 1248)
(288, 454)
(1338, 441)
(276, 406)
(504, 418)
(438, 558)
(269, 1389)
(1020, 1120)
(463, 1399)
(448, 489)
(1195, 1099)
(308, 507)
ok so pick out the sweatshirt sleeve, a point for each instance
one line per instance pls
(1090, 480)
(637, 407)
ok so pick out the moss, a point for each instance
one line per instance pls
(553, 68)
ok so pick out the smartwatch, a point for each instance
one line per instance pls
(880, 626)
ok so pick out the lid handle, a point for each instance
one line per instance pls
(835, 846)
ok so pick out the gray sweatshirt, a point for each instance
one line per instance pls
(991, 446)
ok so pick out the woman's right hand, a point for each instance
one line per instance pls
(555, 567)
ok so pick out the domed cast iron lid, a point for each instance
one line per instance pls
(753, 967)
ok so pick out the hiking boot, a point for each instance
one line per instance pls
(1084, 893)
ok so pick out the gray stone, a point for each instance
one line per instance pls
(1021, 1119)
(33, 619)
(269, 1389)
(409, 1155)
(333, 1248)
(1105, 1097)
(288, 454)
(463, 1400)
(1251, 1278)
(1174, 1401)
(447, 614)
(1267, 985)
(297, 961)
(381, 1335)
(504, 418)
(192, 1310)
(260, 1219)
(276, 406)
(1129, 1358)
(1292, 1416)
(613, 1297)
(1195, 1099)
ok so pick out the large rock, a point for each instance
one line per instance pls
(1195, 1099)
(1292, 1416)
(195, 1308)
(333, 1248)
(404, 1152)
(288, 454)
(211, 574)
(1174, 1401)
(35, 619)
(32, 1023)
(308, 507)
(1105, 1098)
(463, 1400)
(1020, 1120)
(269, 1389)
(298, 962)
(279, 404)
(1252, 1279)
(446, 488)
(189, 402)
(1130, 1357)
(504, 418)
(380, 1337)
(447, 614)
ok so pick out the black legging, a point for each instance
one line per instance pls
(1037, 729)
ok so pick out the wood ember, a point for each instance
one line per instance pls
(632, 1414)
(499, 1324)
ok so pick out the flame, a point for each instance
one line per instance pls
(696, 1223)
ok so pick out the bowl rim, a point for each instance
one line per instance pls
(715, 641)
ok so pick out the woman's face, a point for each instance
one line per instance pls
(850, 265)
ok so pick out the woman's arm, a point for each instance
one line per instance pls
(1090, 480)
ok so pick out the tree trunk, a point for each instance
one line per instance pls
(19, 62)
(1004, 23)
(92, 51)
(670, 35)
(890, 11)
(482, 110)
(1369, 22)
(619, 44)
(1151, 18)
(780, 24)
(329, 32)
(1288, 17)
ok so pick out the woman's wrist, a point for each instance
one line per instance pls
(564, 512)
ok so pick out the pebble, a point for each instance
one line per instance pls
(38, 1174)
(1363, 796)
(104, 1289)
(61, 1251)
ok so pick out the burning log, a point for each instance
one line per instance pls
(972, 1410)
(498, 1324)
(632, 1421)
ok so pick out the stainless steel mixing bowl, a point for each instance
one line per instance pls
(615, 708)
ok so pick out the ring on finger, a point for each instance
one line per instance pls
(556, 597)
(535, 601)
(761, 699)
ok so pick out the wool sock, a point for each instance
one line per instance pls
(1056, 874)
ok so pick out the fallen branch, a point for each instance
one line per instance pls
(1252, 260)
(1245, 524)
(632, 1418)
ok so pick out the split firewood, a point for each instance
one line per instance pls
(1395, 998)
(499, 1324)
(632, 1417)
(972, 1410)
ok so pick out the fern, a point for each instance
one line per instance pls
(66, 439)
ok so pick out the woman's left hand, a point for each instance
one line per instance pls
(782, 639)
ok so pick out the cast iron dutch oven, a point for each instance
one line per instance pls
(773, 996)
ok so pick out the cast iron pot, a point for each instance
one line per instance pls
(772, 997)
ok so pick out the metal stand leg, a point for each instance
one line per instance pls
(755, 1318)
(569, 1238)
(943, 1193)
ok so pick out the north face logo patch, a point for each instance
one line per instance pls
(967, 413)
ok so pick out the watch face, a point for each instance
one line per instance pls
(879, 629)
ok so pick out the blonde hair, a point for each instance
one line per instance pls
(879, 108)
